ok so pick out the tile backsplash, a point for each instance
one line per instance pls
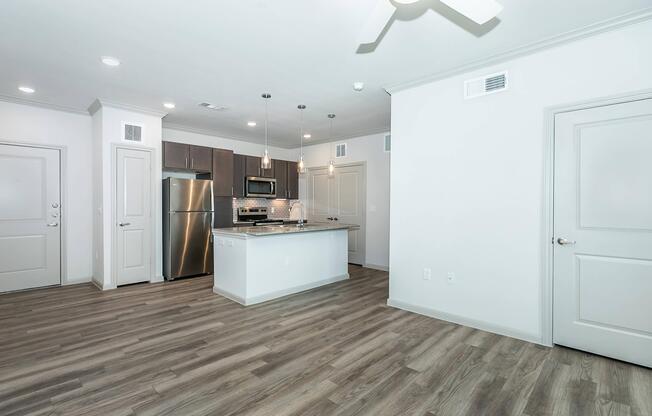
(281, 207)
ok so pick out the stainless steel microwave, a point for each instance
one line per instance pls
(257, 187)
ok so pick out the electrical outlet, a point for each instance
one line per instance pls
(450, 278)
(427, 274)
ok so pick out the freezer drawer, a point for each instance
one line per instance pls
(189, 251)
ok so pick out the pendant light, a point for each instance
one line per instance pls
(301, 165)
(265, 161)
(331, 164)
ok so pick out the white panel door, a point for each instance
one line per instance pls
(340, 198)
(134, 216)
(30, 214)
(603, 231)
(348, 207)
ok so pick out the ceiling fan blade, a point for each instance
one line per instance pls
(480, 11)
(380, 16)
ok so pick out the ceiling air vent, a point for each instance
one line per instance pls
(340, 150)
(132, 132)
(212, 106)
(485, 85)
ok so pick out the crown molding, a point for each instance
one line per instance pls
(567, 37)
(35, 103)
(99, 103)
(353, 136)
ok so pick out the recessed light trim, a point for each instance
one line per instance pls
(307, 136)
(251, 123)
(169, 105)
(26, 90)
(110, 61)
(358, 86)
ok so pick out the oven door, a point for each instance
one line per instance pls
(261, 187)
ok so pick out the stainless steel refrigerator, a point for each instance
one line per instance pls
(187, 222)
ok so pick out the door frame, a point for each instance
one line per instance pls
(362, 164)
(547, 254)
(63, 201)
(114, 209)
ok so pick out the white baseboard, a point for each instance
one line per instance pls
(279, 293)
(461, 320)
(376, 267)
(157, 279)
(68, 282)
(102, 286)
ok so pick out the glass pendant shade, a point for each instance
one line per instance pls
(331, 168)
(301, 165)
(265, 161)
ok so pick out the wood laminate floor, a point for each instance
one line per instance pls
(178, 349)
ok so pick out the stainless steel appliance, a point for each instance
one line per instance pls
(256, 216)
(187, 221)
(257, 187)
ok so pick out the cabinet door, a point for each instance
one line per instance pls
(281, 175)
(293, 180)
(252, 166)
(239, 162)
(222, 172)
(175, 155)
(200, 158)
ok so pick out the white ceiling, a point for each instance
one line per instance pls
(229, 52)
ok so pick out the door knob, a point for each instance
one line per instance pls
(53, 224)
(124, 224)
(564, 242)
(335, 219)
(330, 218)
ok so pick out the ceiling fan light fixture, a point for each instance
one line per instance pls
(480, 11)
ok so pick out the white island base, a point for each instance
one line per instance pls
(257, 266)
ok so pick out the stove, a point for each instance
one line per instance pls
(257, 215)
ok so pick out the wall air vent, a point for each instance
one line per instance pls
(132, 132)
(212, 106)
(340, 150)
(388, 143)
(485, 85)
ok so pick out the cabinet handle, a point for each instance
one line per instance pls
(186, 161)
(192, 163)
(232, 191)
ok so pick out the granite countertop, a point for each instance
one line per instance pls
(265, 230)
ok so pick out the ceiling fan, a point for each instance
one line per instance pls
(480, 11)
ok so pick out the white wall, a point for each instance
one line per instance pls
(107, 129)
(472, 171)
(239, 147)
(369, 149)
(35, 125)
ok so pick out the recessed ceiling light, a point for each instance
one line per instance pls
(307, 136)
(110, 61)
(169, 105)
(26, 90)
(251, 123)
(358, 86)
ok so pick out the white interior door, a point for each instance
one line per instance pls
(133, 216)
(340, 198)
(30, 214)
(603, 216)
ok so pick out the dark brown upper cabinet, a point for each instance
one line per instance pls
(223, 172)
(175, 155)
(252, 166)
(281, 175)
(200, 158)
(180, 156)
(292, 180)
(239, 162)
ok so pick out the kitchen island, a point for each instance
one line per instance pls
(257, 264)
